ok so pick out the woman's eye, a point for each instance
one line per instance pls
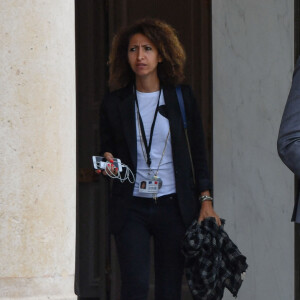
(132, 49)
(147, 48)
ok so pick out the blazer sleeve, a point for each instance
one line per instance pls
(197, 143)
(288, 143)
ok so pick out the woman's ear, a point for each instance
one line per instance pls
(160, 59)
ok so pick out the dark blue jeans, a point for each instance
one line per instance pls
(163, 221)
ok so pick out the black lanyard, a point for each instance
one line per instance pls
(147, 146)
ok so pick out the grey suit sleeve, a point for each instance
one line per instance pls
(288, 143)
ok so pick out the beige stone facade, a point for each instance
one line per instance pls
(38, 149)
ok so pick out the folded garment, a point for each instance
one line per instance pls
(213, 261)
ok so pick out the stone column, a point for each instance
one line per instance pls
(253, 59)
(37, 149)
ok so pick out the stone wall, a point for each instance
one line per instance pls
(253, 59)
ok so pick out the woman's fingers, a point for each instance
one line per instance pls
(218, 220)
(108, 156)
(110, 168)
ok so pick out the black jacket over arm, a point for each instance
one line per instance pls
(118, 136)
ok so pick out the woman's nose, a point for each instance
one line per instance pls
(139, 53)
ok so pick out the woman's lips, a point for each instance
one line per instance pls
(140, 65)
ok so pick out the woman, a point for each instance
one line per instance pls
(141, 124)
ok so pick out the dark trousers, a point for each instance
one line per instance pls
(161, 220)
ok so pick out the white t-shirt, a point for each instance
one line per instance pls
(147, 105)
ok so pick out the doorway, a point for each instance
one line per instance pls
(96, 22)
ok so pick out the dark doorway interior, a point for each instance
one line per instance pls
(96, 23)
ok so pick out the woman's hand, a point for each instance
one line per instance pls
(110, 169)
(207, 210)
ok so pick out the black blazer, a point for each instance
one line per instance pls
(118, 136)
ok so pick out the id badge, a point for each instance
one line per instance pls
(149, 186)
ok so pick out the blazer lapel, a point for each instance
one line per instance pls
(127, 115)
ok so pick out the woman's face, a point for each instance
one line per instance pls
(143, 56)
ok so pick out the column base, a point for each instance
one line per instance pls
(38, 288)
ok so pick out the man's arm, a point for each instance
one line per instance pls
(288, 143)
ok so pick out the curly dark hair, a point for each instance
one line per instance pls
(170, 71)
